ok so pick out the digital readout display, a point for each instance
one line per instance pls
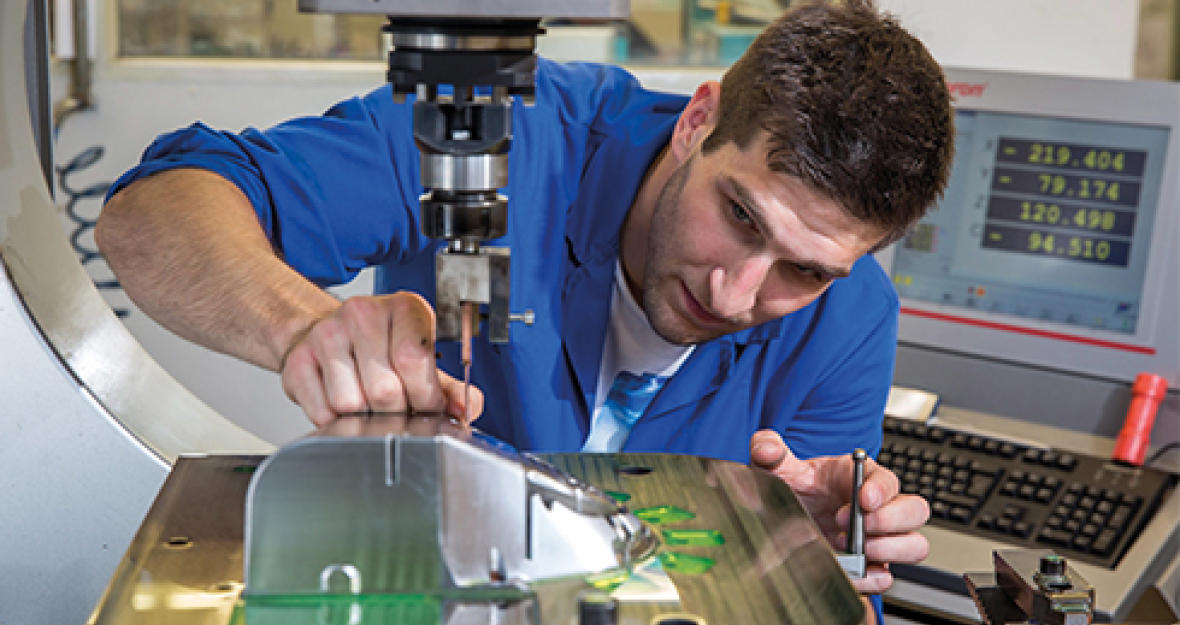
(1064, 200)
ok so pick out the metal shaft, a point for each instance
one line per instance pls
(856, 524)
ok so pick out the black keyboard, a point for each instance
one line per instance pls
(1081, 506)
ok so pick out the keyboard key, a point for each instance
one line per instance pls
(1055, 522)
(1088, 502)
(991, 447)
(1008, 450)
(954, 499)
(975, 443)
(986, 521)
(1055, 536)
(1013, 512)
(1009, 488)
(1121, 515)
(1072, 526)
(939, 509)
(936, 435)
(1049, 458)
(1032, 455)
(1105, 506)
(1091, 530)
(1026, 491)
(920, 431)
(960, 514)
(959, 440)
(1004, 524)
(1082, 543)
(1044, 495)
(1070, 499)
(1066, 462)
(1021, 529)
(1105, 542)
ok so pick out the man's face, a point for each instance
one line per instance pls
(733, 244)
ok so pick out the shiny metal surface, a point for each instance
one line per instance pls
(439, 41)
(484, 278)
(764, 562)
(605, 9)
(444, 513)
(91, 422)
(471, 172)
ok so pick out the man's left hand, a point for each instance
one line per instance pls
(824, 486)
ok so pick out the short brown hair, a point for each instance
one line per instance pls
(854, 106)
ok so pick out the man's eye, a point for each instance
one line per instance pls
(740, 214)
(810, 274)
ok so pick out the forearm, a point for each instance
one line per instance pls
(187, 247)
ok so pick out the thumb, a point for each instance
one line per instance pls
(769, 451)
(456, 392)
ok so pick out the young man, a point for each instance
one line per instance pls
(714, 251)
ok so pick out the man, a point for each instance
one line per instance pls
(714, 251)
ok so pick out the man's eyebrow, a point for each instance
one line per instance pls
(756, 213)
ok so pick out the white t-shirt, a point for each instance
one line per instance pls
(631, 345)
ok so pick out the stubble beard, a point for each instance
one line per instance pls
(669, 325)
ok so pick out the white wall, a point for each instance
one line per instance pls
(135, 101)
(1074, 37)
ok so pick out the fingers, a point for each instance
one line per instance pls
(411, 351)
(769, 451)
(371, 354)
(877, 580)
(457, 396)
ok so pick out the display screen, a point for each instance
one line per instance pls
(1044, 218)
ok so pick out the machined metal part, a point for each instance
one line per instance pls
(453, 42)
(92, 424)
(1031, 586)
(736, 545)
(602, 9)
(464, 172)
(483, 278)
(443, 514)
(854, 562)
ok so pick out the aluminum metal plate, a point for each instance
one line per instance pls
(737, 548)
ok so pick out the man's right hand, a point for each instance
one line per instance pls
(372, 353)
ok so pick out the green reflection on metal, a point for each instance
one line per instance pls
(663, 515)
(693, 538)
(338, 609)
(608, 581)
(685, 564)
(619, 497)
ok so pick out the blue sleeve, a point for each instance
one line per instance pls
(848, 375)
(335, 193)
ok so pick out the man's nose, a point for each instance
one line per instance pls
(736, 288)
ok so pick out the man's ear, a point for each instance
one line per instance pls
(697, 120)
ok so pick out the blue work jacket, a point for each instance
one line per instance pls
(339, 192)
